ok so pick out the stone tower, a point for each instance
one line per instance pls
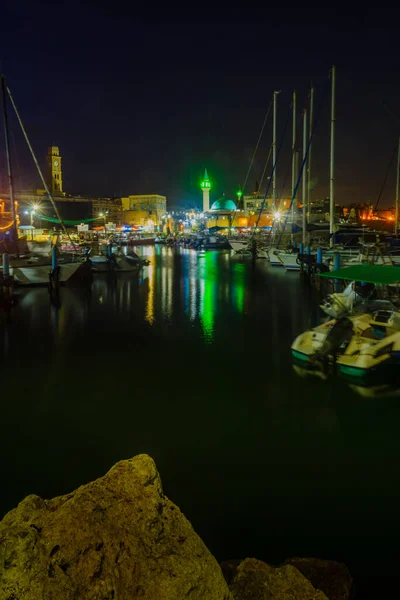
(206, 186)
(54, 171)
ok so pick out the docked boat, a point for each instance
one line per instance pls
(323, 342)
(240, 245)
(118, 262)
(374, 344)
(35, 271)
(215, 242)
(356, 341)
(141, 239)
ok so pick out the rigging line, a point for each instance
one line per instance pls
(391, 114)
(38, 167)
(316, 119)
(274, 166)
(281, 195)
(386, 176)
(16, 156)
(256, 148)
(265, 167)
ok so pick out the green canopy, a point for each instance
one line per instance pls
(66, 221)
(378, 274)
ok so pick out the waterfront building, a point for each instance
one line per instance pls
(223, 213)
(145, 210)
(253, 203)
(33, 203)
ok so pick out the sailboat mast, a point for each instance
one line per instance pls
(396, 220)
(293, 158)
(304, 181)
(8, 159)
(274, 151)
(309, 154)
(332, 168)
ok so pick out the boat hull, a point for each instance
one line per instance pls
(142, 242)
(39, 275)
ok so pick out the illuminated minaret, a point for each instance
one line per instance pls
(206, 186)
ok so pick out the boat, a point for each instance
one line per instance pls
(118, 262)
(31, 275)
(215, 242)
(330, 340)
(141, 239)
(160, 239)
(240, 245)
(374, 344)
(322, 343)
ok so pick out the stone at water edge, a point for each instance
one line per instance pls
(332, 577)
(256, 580)
(116, 538)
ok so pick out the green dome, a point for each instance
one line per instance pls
(223, 204)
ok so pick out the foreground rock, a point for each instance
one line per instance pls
(116, 538)
(255, 580)
(333, 578)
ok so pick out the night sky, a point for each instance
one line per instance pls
(141, 103)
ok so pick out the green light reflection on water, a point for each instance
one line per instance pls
(208, 286)
(239, 286)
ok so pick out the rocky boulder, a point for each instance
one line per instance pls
(256, 580)
(333, 578)
(116, 538)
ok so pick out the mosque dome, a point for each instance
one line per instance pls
(223, 204)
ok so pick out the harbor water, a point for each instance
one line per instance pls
(190, 362)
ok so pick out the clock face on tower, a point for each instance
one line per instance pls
(56, 163)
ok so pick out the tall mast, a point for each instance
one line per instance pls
(332, 169)
(8, 159)
(396, 219)
(294, 176)
(274, 152)
(309, 153)
(304, 181)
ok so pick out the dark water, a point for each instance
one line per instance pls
(191, 363)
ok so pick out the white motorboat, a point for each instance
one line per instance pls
(278, 256)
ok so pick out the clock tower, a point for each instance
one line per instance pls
(54, 171)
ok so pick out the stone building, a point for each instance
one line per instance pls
(144, 210)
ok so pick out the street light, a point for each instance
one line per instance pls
(104, 217)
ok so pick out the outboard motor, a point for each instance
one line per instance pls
(340, 333)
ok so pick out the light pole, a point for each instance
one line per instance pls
(104, 217)
(31, 212)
